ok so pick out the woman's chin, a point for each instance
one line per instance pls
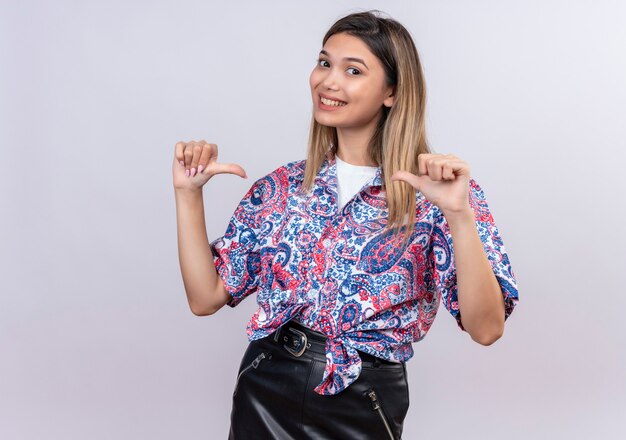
(322, 120)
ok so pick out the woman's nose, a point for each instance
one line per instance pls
(330, 80)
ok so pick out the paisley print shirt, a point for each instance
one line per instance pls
(337, 272)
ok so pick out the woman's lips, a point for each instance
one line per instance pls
(323, 106)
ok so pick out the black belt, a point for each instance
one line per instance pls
(298, 339)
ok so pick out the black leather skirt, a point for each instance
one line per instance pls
(274, 395)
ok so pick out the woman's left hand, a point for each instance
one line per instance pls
(443, 179)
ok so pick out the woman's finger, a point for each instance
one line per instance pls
(434, 165)
(178, 152)
(197, 151)
(422, 163)
(448, 170)
(188, 154)
(227, 168)
(205, 155)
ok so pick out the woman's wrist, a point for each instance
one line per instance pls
(188, 194)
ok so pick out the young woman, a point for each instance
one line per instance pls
(349, 251)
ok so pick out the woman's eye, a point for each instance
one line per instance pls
(320, 61)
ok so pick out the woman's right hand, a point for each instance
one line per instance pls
(196, 162)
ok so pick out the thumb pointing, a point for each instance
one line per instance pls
(228, 168)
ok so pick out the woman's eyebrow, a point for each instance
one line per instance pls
(358, 60)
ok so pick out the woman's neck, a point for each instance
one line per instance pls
(353, 144)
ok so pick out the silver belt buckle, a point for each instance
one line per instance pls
(303, 341)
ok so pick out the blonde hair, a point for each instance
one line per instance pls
(400, 135)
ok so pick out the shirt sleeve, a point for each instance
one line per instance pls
(442, 256)
(236, 254)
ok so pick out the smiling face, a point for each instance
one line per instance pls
(349, 72)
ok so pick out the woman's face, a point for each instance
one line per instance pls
(358, 84)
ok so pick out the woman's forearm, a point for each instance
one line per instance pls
(481, 303)
(194, 253)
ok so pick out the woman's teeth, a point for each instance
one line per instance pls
(329, 102)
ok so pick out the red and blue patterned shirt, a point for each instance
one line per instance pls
(339, 273)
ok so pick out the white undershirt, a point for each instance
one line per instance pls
(350, 179)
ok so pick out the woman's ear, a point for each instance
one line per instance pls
(388, 102)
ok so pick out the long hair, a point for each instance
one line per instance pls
(400, 135)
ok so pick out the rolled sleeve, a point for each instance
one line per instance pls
(442, 256)
(236, 254)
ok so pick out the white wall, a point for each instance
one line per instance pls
(96, 337)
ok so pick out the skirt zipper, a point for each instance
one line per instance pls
(255, 363)
(376, 405)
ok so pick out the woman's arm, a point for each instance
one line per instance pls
(205, 290)
(444, 179)
(481, 303)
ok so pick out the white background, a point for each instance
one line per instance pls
(96, 338)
